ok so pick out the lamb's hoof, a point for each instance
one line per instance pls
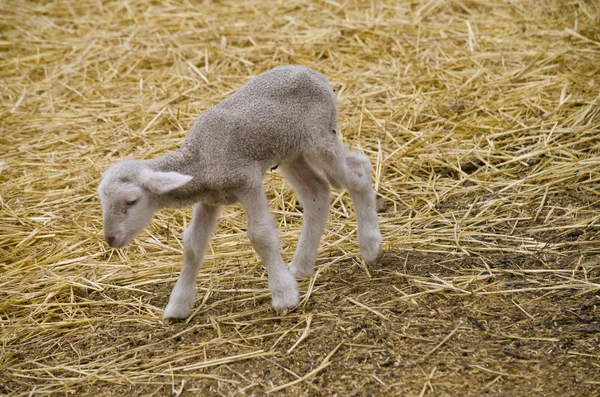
(301, 271)
(174, 312)
(282, 303)
(372, 252)
(285, 293)
(375, 260)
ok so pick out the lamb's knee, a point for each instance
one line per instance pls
(262, 235)
(359, 162)
(358, 172)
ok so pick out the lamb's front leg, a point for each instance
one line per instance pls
(195, 242)
(262, 233)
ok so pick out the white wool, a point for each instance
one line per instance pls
(286, 116)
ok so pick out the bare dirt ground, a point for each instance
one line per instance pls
(482, 122)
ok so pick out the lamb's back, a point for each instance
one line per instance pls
(269, 118)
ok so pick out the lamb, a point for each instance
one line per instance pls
(287, 117)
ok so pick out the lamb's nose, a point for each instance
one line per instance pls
(110, 240)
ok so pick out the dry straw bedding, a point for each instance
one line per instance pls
(482, 121)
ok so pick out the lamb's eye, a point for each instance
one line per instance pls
(131, 203)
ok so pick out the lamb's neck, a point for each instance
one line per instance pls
(184, 162)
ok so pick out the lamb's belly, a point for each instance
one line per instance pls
(218, 197)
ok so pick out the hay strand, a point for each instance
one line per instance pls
(482, 123)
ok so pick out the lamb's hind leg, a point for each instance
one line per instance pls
(263, 236)
(313, 193)
(195, 242)
(353, 171)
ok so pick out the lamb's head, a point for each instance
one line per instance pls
(129, 193)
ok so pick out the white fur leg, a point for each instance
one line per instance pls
(195, 241)
(354, 170)
(363, 196)
(313, 193)
(333, 181)
(263, 236)
(369, 237)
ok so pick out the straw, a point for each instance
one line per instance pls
(482, 123)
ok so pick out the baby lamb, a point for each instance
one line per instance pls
(286, 117)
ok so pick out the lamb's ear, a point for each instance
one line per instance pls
(163, 182)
